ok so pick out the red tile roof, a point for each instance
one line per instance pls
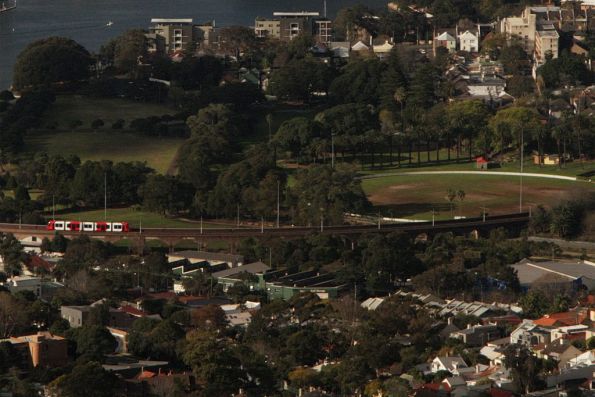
(564, 318)
(494, 392)
(35, 261)
(133, 311)
(146, 375)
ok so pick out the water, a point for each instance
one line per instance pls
(85, 20)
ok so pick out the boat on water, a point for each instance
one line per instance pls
(6, 6)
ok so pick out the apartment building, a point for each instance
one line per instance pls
(168, 36)
(546, 44)
(522, 28)
(286, 26)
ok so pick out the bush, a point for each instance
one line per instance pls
(118, 125)
(97, 123)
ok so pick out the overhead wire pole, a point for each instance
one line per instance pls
(278, 204)
(105, 196)
(521, 179)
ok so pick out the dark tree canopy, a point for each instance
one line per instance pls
(51, 60)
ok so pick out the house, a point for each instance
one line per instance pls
(451, 364)
(44, 349)
(564, 320)
(24, 283)
(383, 50)
(530, 334)
(560, 350)
(481, 163)
(212, 257)
(121, 337)
(247, 274)
(447, 41)
(448, 329)
(468, 41)
(360, 47)
(340, 49)
(477, 335)
(285, 26)
(77, 316)
(546, 159)
(372, 303)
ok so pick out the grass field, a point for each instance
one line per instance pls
(68, 108)
(106, 144)
(414, 196)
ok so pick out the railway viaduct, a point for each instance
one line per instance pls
(481, 226)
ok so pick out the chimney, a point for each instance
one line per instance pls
(468, 326)
(449, 321)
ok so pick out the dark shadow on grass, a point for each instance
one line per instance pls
(408, 209)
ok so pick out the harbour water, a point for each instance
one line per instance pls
(86, 21)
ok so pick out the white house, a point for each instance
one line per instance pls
(360, 46)
(468, 42)
(446, 40)
(383, 50)
(451, 364)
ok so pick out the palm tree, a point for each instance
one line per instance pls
(451, 194)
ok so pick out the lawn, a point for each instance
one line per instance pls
(68, 108)
(415, 196)
(568, 169)
(134, 217)
(106, 144)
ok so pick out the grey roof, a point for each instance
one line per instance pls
(529, 271)
(208, 256)
(252, 268)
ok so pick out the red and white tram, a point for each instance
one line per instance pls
(77, 226)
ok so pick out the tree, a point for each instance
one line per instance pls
(12, 315)
(86, 379)
(524, 366)
(512, 123)
(465, 119)
(218, 371)
(12, 254)
(97, 124)
(360, 82)
(210, 317)
(296, 136)
(92, 341)
(51, 60)
(125, 50)
(322, 194)
(300, 79)
(567, 219)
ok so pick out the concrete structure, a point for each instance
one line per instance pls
(286, 26)
(169, 36)
(267, 28)
(469, 42)
(44, 349)
(523, 28)
(546, 45)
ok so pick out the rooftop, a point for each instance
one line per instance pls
(171, 20)
(530, 271)
(252, 268)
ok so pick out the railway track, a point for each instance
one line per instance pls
(469, 224)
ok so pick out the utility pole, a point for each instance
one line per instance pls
(262, 224)
(433, 217)
(521, 180)
(201, 224)
(53, 207)
(238, 217)
(105, 196)
(333, 151)
(278, 199)
(321, 223)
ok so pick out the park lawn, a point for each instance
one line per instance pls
(569, 169)
(415, 196)
(68, 108)
(134, 217)
(117, 146)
